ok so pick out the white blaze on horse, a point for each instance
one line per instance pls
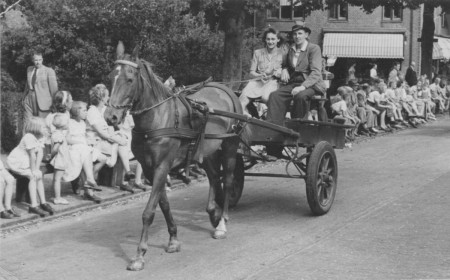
(168, 133)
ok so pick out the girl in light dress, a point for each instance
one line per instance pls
(111, 143)
(62, 102)
(265, 69)
(25, 160)
(82, 154)
(60, 154)
(7, 185)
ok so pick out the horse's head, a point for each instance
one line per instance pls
(124, 79)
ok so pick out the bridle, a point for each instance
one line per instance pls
(130, 105)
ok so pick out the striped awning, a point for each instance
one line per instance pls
(441, 48)
(363, 45)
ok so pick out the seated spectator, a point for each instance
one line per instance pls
(365, 113)
(81, 154)
(442, 91)
(374, 100)
(425, 95)
(265, 69)
(437, 95)
(411, 107)
(393, 99)
(339, 108)
(110, 143)
(7, 185)
(25, 160)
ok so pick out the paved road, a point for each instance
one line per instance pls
(390, 220)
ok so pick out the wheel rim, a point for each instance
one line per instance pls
(326, 179)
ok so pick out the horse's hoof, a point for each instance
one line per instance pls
(219, 234)
(173, 247)
(136, 264)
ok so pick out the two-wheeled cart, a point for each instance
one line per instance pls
(317, 166)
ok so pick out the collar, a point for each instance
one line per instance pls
(266, 52)
(302, 48)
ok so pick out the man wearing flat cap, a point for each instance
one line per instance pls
(302, 73)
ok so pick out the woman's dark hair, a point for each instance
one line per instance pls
(273, 31)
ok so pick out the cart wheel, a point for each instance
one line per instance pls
(321, 181)
(238, 182)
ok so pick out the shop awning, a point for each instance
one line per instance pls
(441, 48)
(363, 45)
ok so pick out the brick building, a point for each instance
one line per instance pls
(348, 33)
(441, 48)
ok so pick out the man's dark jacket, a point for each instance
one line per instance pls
(411, 77)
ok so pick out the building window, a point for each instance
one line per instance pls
(391, 13)
(338, 12)
(288, 10)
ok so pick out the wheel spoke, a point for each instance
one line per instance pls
(325, 162)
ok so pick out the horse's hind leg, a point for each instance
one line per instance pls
(211, 164)
(159, 180)
(174, 244)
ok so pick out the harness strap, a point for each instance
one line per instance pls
(184, 133)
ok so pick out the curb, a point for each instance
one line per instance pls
(119, 198)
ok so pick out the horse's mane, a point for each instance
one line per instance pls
(160, 91)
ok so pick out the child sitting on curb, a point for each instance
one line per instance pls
(7, 184)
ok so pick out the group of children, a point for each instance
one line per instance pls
(80, 141)
(371, 108)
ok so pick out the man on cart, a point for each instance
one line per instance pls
(302, 74)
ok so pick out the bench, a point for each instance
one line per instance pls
(22, 194)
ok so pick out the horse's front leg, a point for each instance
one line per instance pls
(228, 166)
(159, 180)
(174, 244)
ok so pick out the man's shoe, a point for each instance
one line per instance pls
(14, 212)
(126, 187)
(92, 197)
(36, 210)
(46, 207)
(129, 176)
(94, 187)
(6, 215)
(141, 186)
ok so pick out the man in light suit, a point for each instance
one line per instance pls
(40, 89)
(303, 74)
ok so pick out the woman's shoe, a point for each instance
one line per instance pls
(46, 207)
(14, 212)
(6, 215)
(374, 130)
(60, 200)
(129, 176)
(92, 197)
(36, 210)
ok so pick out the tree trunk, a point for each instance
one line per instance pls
(234, 24)
(427, 39)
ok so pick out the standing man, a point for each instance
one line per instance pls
(303, 74)
(40, 88)
(411, 75)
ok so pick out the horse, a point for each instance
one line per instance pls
(166, 130)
